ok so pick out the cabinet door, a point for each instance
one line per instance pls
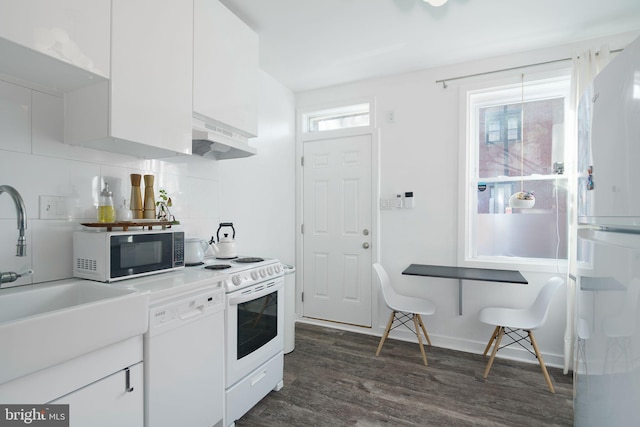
(74, 31)
(108, 402)
(225, 68)
(151, 74)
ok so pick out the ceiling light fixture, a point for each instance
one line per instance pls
(435, 3)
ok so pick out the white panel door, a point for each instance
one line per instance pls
(337, 229)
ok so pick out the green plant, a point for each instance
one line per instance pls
(164, 197)
(163, 206)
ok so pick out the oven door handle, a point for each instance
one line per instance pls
(254, 295)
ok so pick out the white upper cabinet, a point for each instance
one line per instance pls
(225, 73)
(57, 45)
(145, 109)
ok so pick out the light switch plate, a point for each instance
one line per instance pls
(53, 207)
(386, 204)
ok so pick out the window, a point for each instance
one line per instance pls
(498, 120)
(337, 118)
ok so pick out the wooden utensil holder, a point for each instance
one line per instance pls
(136, 196)
(149, 198)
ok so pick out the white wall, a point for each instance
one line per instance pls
(258, 193)
(421, 152)
(34, 160)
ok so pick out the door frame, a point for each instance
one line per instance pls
(301, 138)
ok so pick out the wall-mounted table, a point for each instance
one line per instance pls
(465, 273)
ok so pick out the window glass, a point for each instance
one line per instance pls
(502, 165)
(500, 144)
(338, 118)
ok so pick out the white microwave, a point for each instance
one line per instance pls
(118, 255)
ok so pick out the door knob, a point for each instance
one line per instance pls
(365, 245)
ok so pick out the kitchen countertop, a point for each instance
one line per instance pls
(165, 285)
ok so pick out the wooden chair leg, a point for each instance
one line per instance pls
(417, 325)
(493, 353)
(494, 335)
(541, 362)
(423, 329)
(386, 332)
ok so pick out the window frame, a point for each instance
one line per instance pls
(505, 91)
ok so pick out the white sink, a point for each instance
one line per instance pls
(43, 325)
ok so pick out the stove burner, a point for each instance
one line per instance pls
(248, 260)
(193, 264)
(217, 266)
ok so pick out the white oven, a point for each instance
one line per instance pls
(254, 331)
(255, 327)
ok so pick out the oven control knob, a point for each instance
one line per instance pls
(254, 275)
(277, 268)
(236, 280)
(263, 272)
(270, 270)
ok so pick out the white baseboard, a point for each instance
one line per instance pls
(468, 346)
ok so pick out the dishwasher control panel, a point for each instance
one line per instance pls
(186, 308)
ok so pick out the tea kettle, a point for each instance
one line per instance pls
(226, 247)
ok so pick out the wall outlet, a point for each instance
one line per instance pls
(53, 207)
(390, 116)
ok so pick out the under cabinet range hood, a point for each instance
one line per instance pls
(218, 143)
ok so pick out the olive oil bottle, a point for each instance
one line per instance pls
(106, 210)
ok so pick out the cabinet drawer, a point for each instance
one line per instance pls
(116, 400)
(249, 391)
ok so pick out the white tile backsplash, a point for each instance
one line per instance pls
(47, 114)
(15, 118)
(35, 160)
(9, 238)
(51, 249)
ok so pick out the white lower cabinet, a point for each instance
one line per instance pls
(94, 385)
(116, 400)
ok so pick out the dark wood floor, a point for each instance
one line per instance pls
(333, 378)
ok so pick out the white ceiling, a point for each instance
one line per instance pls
(307, 44)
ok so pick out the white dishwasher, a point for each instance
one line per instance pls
(183, 359)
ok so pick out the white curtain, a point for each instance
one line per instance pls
(586, 66)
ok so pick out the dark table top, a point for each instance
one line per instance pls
(600, 284)
(466, 273)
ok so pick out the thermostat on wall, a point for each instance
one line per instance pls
(409, 200)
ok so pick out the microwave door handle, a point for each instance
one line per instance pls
(250, 297)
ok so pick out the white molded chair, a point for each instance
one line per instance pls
(620, 330)
(583, 334)
(403, 308)
(513, 322)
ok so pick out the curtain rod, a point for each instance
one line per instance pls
(444, 81)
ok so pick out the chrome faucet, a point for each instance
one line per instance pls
(22, 218)
(10, 276)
